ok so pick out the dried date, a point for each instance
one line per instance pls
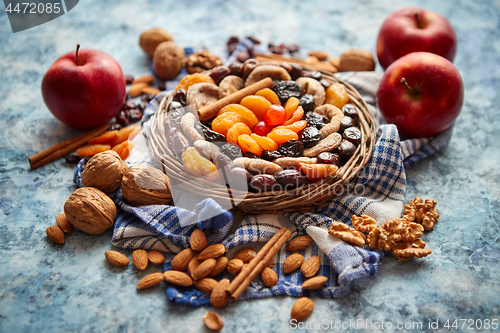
(291, 148)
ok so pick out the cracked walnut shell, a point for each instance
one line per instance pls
(90, 210)
(144, 185)
(168, 60)
(104, 171)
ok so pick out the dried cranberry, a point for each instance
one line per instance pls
(352, 134)
(129, 104)
(134, 115)
(313, 75)
(350, 110)
(147, 97)
(122, 119)
(291, 148)
(72, 158)
(328, 158)
(310, 136)
(270, 155)
(307, 102)
(346, 122)
(128, 79)
(218, 73)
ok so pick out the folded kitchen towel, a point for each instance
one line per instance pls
(378, 191)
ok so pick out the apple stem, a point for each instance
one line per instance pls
(419, 25)
(407, 86)
(76, 55)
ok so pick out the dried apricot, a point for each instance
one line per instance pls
(257, 104)
(190, 79)
(296, 126)
(196, 164)
(336, 94)
(124, 134)
(264, 142)
(280, 135)
(296, 116)
(222, 123)
(123, 149)
(90, 150)
(105, 137)
(291, 105)
(235, 131)
(270, 95)
(316, 172)
(247, 144)
(249, 117)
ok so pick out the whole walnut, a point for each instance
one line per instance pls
(168, 60)
(104, 171)
(90, 210)
(151, 38)
(144, 185)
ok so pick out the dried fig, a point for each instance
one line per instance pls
(230, 84)
(90, 210)
(168, 60)
(263, 71)
(104, 171)
(202, 94)
(151, 38)
(144, 185)
(313, 87)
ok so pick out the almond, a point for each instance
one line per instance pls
(136, 89)
(151, 90)
(269, 277)
(192, 265)
(314, 283)
(213, 251)
(150, 280)
(55, 234)
(178, 278)
(293, 262)
(234, 266)
(246, 254)
(302, 308)
(63, 223)
(335, 62)
(146, 78)
(219, 297)
(140, 259)
(204, 269)
(156, 257)
(116, 258)
(198, 240)
(182, 259)
(213, 321)
(299, 243)
(205, 285)
(321, 55)
(220, 266)
(310, 267)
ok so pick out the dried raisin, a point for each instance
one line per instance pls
(310, 136)
(286, 89)
(291, 148)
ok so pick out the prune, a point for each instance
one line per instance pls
(270, 155)
(180, 96)
(315, 119)
(346, 149)
(307, 102)
(128, 79)
(291, 148)
(217, 74)
(250, 155)
(296, 71)
(235, 68)
(313, 75)
(310, 136)
(72, 158)
(350, 110)
(262, 182)
(325, 83)
(328, 158)
(212, 136)
(346, 122)
(286, 89)
(291, 178)
(230, 150)
(352, 134)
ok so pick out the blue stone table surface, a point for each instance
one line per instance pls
(70, 287)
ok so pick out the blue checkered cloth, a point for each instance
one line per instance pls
(378, 191)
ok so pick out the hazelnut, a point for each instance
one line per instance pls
(90, 210)
(168, 60)
(144, 185)
(151, 38)
(104, 171)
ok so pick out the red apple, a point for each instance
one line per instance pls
(415, 30)
(84, 88)
(421, 93)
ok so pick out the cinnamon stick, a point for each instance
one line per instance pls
(258, 263)
(53, 153)
(211, 110)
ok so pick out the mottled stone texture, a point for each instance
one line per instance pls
(70, 287)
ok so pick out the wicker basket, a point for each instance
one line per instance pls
(302, 198)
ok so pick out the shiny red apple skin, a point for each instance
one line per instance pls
(400, 34)
(435, 102)
(86, 95)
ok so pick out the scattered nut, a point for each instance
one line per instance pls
(201, 61)
(234, 266)
(150, 281)
(314, 283)
(293, 262)
(346, 233)
(204, 269)
(364, 223)
(205, 285)
(198, 240)
(320, 55)
(220, 266)
(310, 267)
(269, 277)
(212, 251)
(213, 321)
(168, 59)
(182, 259)
(177, 278)
(117, 259)
(144, 185)
(219, 297)
(104, 171)
(302, 308)
(246, 254)
(55, 234)
(299, 243)
(153, 37)
(356, 60)
(156, 257)
(140, 259)
(63, 223)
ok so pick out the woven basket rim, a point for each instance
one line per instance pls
(305, 197)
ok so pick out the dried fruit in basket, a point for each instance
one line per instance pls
(236, 130)
(190, 79)
(247, 144)
(269, 95)
(196, 164)
(336, 94)
(223, 122)
(280, 135)
(248, 116)
(257, 104)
